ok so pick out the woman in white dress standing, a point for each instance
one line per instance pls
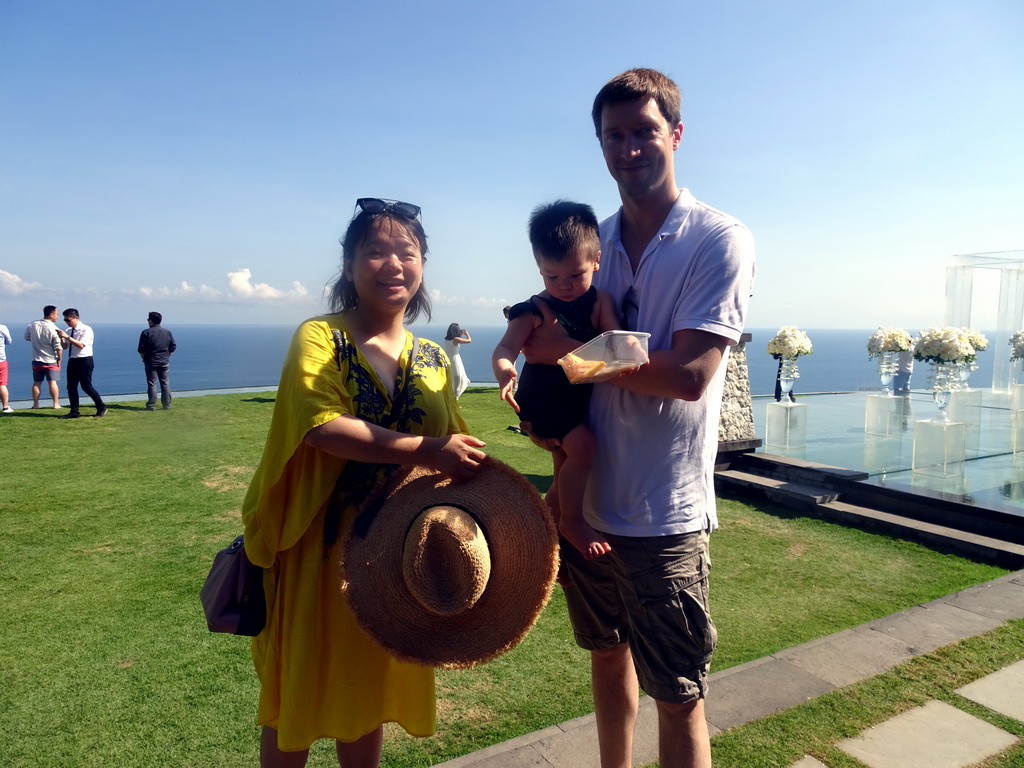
(455, 337)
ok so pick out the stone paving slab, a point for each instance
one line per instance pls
(514, 753)
(576, 746)
(848, 656)
(759, 688)
(645, 736)
(931, 627)
(1002, 691)
(933, 736)
(809, 762)
(1002, 598)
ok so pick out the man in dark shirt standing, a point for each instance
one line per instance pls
(156, 345)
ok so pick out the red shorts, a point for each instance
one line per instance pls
(3, 373)
(44, 372)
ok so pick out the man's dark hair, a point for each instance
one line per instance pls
(342, 296)
(155, 318)
(48, 310)
(70, 312)
(639, 84)
(561, 228)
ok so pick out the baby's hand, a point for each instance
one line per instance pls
(509, 396)
(508, 389)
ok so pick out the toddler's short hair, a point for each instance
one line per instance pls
(563, 227)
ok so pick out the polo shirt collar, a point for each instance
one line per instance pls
(677, 216)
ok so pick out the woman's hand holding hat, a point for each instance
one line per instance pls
(455, 455)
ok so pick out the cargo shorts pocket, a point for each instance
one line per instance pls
(672, 610)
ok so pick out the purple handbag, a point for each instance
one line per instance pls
(232, 594)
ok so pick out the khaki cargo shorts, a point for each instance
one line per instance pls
(650, 592)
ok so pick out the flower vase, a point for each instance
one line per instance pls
(945, 379)
(788, 374)
(886, 372)
(966, 369)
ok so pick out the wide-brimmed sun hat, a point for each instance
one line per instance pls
(453, 574)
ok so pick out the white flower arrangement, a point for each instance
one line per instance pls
(944, 345)
(1017, 346)
(976, 338)
(790, 341)
(887, 339)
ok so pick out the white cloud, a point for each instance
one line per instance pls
(182, 291)
(203, 291)
(239, 288)
(242, 287)
(439, 299)
(12, 285)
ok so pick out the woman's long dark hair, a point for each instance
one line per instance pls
(343, 296)
(453, 332)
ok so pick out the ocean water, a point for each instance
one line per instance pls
(839, 361)
(211, 357)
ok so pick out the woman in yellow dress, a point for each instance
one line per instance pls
(358, 395)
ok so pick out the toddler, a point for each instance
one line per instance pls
(567, 248)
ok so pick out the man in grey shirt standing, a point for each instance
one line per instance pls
(156, 345)
(46, 354)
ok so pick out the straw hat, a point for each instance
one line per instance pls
(453, 574)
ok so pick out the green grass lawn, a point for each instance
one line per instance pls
(110, 526)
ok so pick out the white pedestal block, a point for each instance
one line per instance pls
(1017, 397)
(955, 484)
(785, 426)
(939, 447)
(965, 405)
(1017, 433)
(886, 416)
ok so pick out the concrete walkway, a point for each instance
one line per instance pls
(759, 688)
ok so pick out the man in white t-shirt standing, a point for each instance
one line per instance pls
(683, 272)
(78, 340)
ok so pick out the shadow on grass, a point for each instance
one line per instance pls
(770, 507)
(260, 400)
(541, 482)
(37, 412)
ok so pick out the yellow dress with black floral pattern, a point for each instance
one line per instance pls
(320, 675)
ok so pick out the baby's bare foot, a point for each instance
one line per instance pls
(584, 538)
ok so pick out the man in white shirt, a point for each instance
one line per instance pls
(79, 340)
(683, 272)
(46, 354)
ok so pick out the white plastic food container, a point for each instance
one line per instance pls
(606, 356)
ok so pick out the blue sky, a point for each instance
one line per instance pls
(201, 159)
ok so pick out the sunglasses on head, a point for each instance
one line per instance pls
(374, 205)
